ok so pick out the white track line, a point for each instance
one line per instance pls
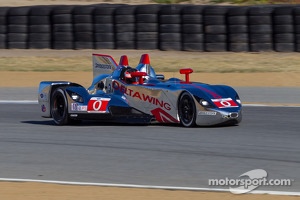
(147, 186)
(18, 101)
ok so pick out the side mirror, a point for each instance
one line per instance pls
(187, 72)
(139, 75)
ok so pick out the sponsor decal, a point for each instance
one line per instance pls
(77, 107)
(138, 95)
(207, 113)
(249, 181)
(225, 103)
(98, 104)
(162, 116)
(43, 96)
(102, 66)
(43, 107)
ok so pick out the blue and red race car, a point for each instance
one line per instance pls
(122, 94)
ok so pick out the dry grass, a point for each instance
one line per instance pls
(162, 61)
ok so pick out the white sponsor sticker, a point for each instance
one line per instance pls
(207, 113)
(76, 107)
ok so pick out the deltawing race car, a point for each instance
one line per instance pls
(138, 95)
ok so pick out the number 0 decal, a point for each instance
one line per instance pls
(225, 103)
(97, 104)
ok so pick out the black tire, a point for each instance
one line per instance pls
(192, 28)
(238, 29)
(146, 18)
(41, 10)
(170, 46)
(84, 37)
(62, 27)
(147, 27)
(62, 36)
(83, 27)
(171, 9)
(215, 29)
(283, 29)
(17, 28)
(104, 45)
(148, 9)
(146, 45)
(192, 19)
(125, 44)
(239, 47)
(237, 20)
(21, 20)
(261, 10)
(170, 28)
(192, 38)
(283, 19)
(39, 29)
(62, 19)
(59, 107)
(120, 28)
(215, 38)
(264, 29)
(261, 38)
(261, 47)
(193, 47)
(39, 37)
(104, 37)
(17, 37)
(103, 28)
(103, 19)
(126, 36)
(239, 38)
(3, 29)
(284, 38)
(17, 45)
(39, 45)
(284, 47)
(170, 37)
(39, 20)
(187, 110)
(63, 45)
(88, 19)
(170, 19)
(83, 45)
(124, 19)
(2, 20)
(214, 20)
(125, 10)
(216, 47)
(147, 36)
(19, 11)
(215, 10)
(260, 20)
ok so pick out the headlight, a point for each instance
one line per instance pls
(204, 103)
(76, 97)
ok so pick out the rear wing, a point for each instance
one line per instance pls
(103, 64)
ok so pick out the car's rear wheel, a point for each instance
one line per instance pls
(187, 110)
(59, 107)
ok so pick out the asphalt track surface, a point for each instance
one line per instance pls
(32, 147)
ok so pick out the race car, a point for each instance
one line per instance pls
(122, 94)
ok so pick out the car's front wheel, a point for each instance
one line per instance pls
(59, 107)
(187, 110)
